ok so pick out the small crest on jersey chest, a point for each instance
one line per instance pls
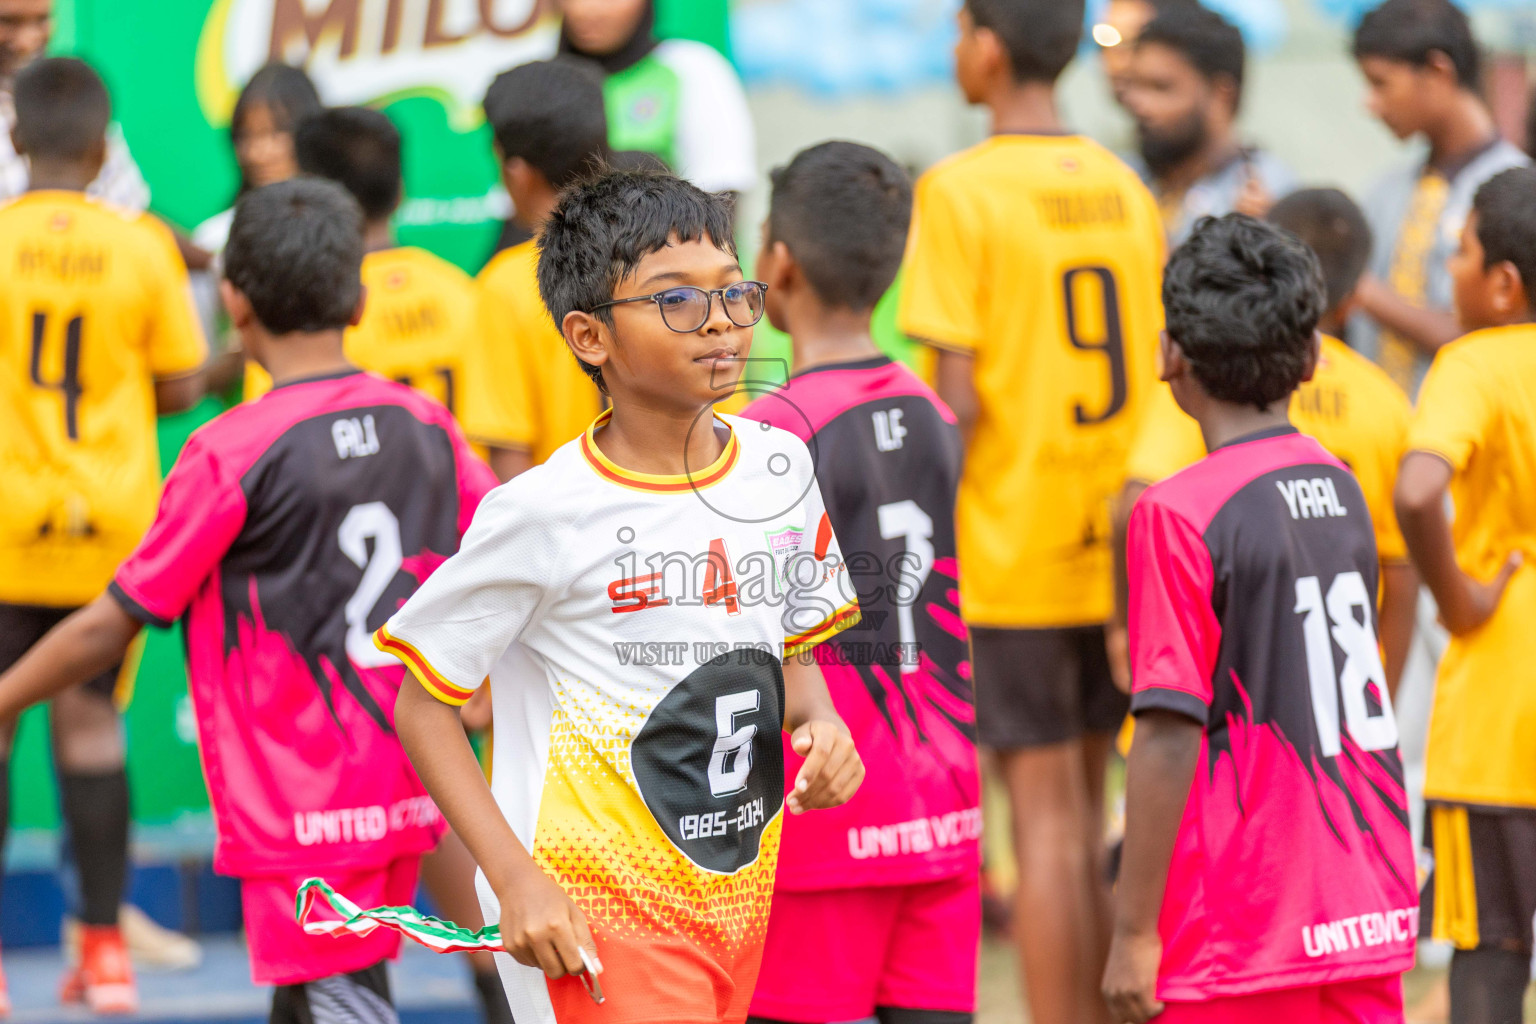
(1069, 164)
(782, 545)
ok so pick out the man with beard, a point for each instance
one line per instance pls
(1119, 25)
(25, 27)
(1186, 86)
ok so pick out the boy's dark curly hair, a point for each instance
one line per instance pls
(1243, 300)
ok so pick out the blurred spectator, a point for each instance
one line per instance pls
(1186, 87)
(676, 98)
(25, 27)
(1422, 65)
(261, 129)
(1116, 32)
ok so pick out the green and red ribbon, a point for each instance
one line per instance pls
(436, 934)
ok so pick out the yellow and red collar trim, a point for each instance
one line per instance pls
(657, 483)
(846, 616)
(431, 679)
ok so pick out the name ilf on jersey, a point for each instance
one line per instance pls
(1316, 498)
(888, 429)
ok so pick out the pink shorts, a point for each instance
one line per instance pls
(837, 954)
(1366, 1001)
(281, 952)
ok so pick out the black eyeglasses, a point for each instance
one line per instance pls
(685, 309)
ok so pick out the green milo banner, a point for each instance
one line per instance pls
(175, 68)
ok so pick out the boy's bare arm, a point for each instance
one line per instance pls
(81, 647)
(507, 463)
(178, 394)
(1116, 633)
(1399, 605)
(1465, 603)
(540, 925)
(1428, 329)
(954, 379)
(832, 770)
(1159, 771)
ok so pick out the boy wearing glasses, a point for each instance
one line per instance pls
(639, 603)
(863, 890)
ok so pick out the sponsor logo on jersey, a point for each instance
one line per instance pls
(645, 108)
(782, 545)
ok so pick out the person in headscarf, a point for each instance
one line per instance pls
(677, 99)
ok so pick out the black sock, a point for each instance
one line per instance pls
(1488, 986)
(96, 811)
(493, 998)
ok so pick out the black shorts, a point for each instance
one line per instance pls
(361, 997)
(22, 625)
(1035, 687)
(1481, 892)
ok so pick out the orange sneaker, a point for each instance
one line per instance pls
(5, 996)
(104, 980)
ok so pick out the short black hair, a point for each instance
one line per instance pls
(1506, 223)
(1332, 225)
(605, 225)
(843, 210)
(635, 160)
(62, 108)
(359, 149)
(1243, 300)
(550, 113)
(296, 252)
(1041, 36)
(1410, 30)
(286, 92)
(1212, 44)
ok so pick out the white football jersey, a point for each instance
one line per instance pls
(632, 628)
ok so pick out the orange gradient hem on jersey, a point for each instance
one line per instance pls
(431, 679)
(845, 617)
(659, 483)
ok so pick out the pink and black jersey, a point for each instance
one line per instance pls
(1253, 611)
(290, 529)
(887, 455)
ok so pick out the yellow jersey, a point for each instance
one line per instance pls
(95, 306)
(424, 325)
(1350, 406)
(1040, 257)
(1477, 411)
(540, 373)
